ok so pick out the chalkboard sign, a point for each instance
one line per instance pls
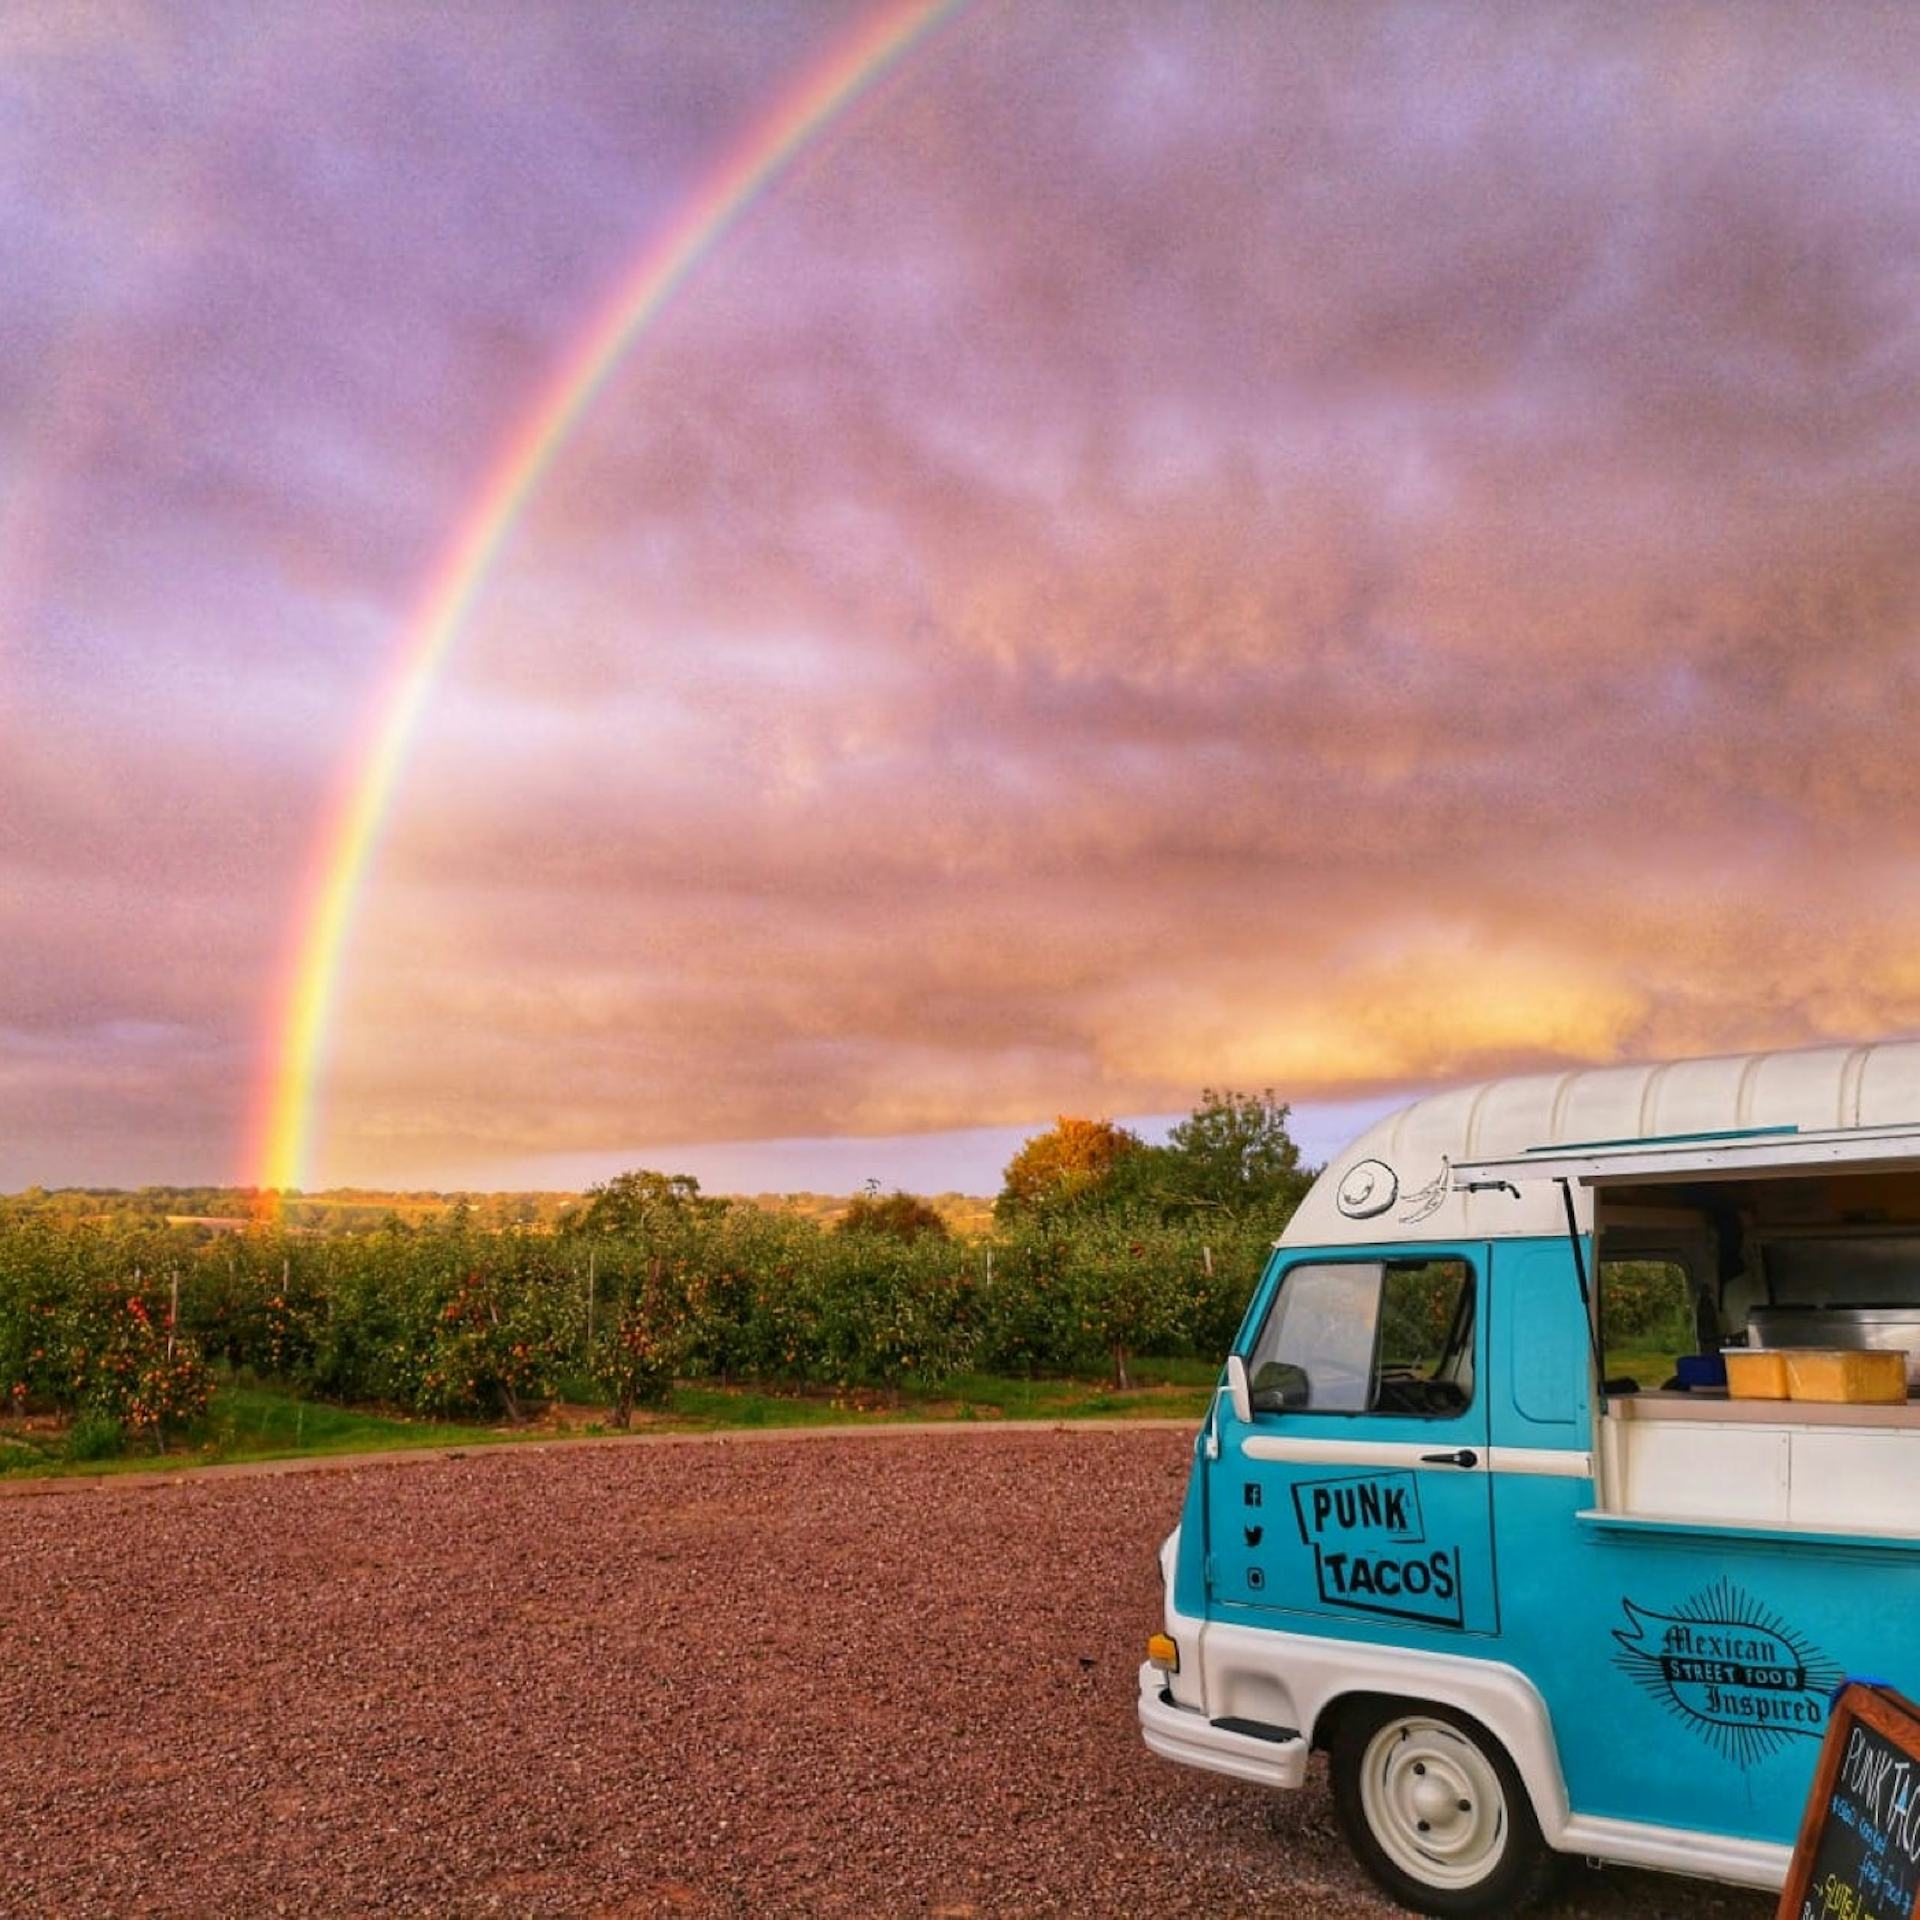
(1858, 1855)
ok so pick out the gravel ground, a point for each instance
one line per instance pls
(879, 1675)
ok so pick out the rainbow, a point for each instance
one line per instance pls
(282, 1134)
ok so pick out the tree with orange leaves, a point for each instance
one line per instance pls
(1071, 1161)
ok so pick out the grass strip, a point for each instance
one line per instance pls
(253, 1421)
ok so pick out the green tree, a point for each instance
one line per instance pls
(1072, 1162)
(902, 1216)
(642, 1203)
(1128, 1287)
(1232, 1157)
(635, 1360)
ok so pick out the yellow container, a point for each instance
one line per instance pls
(1855, 1375)
(1756, 1373)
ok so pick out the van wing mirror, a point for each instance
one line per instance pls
(1238, 1391)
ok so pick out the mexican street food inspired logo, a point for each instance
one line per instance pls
(1370, 1549)
(1732, 1669)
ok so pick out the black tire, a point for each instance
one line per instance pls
(1434, 1810)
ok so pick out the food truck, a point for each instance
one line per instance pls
(1563, 1466)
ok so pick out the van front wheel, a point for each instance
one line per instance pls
(1433, 1809)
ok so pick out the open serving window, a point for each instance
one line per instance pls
(1771, 1241)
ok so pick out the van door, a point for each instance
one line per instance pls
(1359, 1491)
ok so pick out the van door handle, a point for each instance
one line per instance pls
(1466, 1457)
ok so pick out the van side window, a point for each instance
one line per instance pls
(1647, 1319)
(1367, 1336)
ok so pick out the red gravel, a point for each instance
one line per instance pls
(882, 1675)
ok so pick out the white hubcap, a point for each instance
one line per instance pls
(1434, 1802)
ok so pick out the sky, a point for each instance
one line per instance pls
(1337, 547)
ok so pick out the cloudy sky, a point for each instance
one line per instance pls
(1338, 546)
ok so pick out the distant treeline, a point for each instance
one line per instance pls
(212, 1210)
(1101, 1249)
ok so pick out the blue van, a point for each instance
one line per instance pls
(1474, 1512)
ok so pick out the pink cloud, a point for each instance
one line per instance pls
(1336, 550)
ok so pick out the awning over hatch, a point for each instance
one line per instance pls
(1780, 1151)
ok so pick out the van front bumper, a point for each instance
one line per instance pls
(1275, 1757)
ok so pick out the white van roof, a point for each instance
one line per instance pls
(1412, 1176)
